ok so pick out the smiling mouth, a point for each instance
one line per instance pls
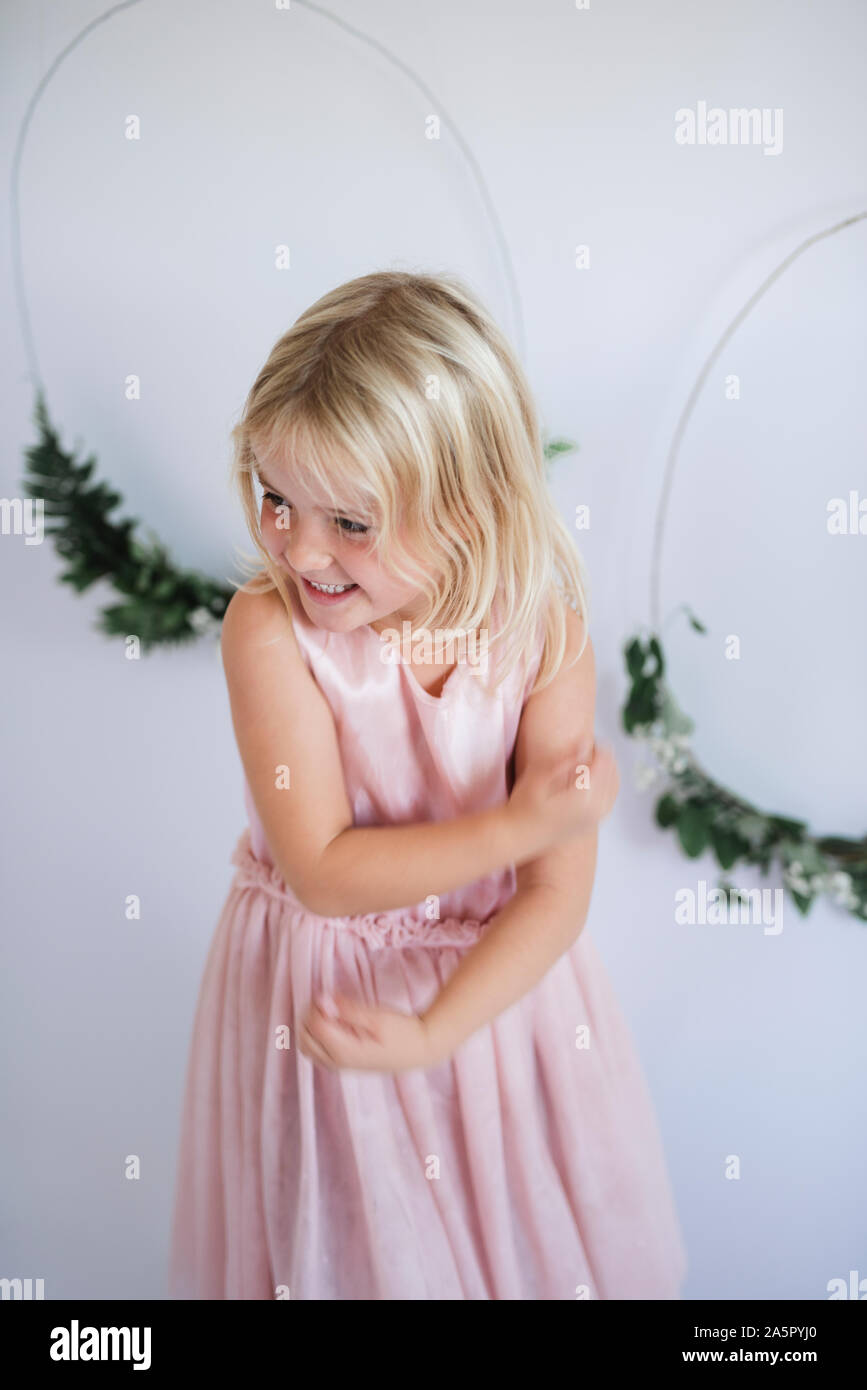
(327, 593)
(330, 588)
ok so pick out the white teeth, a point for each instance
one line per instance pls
(330, 588)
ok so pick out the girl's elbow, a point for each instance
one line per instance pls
(321, 899)
(312, 892)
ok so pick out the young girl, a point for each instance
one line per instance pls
(409, 1077)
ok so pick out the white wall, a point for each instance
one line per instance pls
(156, 257)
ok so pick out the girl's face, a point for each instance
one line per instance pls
(316, 545)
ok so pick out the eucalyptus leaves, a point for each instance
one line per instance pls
(704, 814)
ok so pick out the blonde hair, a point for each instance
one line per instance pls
(409, 406)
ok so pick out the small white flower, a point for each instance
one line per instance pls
(645, 776)
(795, 880)
(841, 880)
(202, 621)
(662, 751)
(843, 896)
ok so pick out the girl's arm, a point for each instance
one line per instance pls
(288, 745)
(374, 868)
(549, 908)
(520, 945)
(544, 809)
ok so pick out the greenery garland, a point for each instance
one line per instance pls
(161, 604)
(705, 814)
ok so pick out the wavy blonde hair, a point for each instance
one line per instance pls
(410, 409)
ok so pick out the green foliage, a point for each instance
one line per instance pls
(706, 815)
(554, 447)
(161, 603)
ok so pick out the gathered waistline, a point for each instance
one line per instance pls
(397, 927)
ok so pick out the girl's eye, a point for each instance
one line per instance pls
(352, 528)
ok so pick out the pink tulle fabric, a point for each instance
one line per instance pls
(526, 1166)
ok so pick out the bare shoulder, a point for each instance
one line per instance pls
(286, 738)
(254, 620)
(576, 674)
(575, 640)
(579, 670)
(559, 715)
(554, 723)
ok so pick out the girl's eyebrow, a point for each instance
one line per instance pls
(361, 518)
(268, 486)
(263, 480)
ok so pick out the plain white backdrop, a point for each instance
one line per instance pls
(260, 128)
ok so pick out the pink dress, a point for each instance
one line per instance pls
(526, 1166)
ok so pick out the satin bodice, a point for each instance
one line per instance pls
(409, 756)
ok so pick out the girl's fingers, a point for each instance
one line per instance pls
(336, 1042)
(344, 1021)
(340, 1053)
(316, 1050)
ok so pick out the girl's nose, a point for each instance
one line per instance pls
(306, 545)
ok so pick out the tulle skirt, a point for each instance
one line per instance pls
(528, 1165)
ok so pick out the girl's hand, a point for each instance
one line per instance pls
(549, 805)
(365, 1038)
